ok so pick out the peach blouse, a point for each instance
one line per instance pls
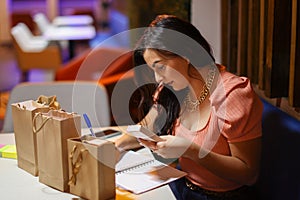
(235, 117)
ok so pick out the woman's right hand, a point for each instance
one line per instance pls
(126, 142)
(171, 147)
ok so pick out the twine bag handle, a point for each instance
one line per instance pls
(21, 108)
(75, 165)
(34, 129)
(50, 101)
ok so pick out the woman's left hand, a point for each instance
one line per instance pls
(171, 147)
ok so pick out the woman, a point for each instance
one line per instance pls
(209, 118)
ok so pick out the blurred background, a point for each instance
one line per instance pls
(248, 37)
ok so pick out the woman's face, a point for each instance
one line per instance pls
(172, 71)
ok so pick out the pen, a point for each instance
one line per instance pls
(88, 123)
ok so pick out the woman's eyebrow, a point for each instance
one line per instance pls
(155, 62)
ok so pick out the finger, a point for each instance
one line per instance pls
(160, 145)
(143, 145)
(150, 144)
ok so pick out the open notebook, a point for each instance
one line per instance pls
(139, 173)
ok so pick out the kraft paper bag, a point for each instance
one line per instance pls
(52, 130)
(22, 115)
(92, 168)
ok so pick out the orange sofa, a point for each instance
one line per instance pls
(97, 64)
(105, 65)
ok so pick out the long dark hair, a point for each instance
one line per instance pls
(169, 36)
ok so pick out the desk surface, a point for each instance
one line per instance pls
(70, 33)
(17, 184)
(72, 20)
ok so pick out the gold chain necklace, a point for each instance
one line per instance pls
(191, 105)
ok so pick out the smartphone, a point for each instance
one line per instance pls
(107, 133)
(142, 132)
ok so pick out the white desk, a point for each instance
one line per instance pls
(72, 20)
(17, 184)
(71, 34)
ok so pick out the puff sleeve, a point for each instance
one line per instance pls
(238, 108)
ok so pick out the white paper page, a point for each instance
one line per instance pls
(143, 177)
(132, 159)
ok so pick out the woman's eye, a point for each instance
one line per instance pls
(161, 67)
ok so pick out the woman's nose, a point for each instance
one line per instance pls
(158, 77)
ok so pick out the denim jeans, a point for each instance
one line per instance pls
(182, 192)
